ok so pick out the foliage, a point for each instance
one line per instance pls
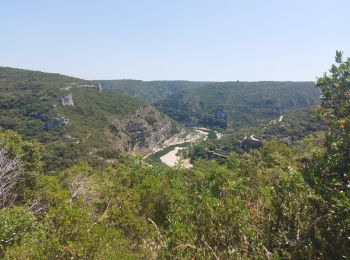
(31, 101)
(241, 104)
(20, 163)
(16, 223)
(328, 175)
(255, 205)
(30, 153)
(276, 202)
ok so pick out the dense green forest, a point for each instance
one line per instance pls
(150, 91)
(296, 124)
(75, 118)
(280, 201)
(221, 105)
(238, 109)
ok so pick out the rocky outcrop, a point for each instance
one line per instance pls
(39, 116)
(49, 123)
(67, 100)
(251, 143)
(145, 130)
(56, 122)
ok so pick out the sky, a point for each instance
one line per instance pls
(202, 40)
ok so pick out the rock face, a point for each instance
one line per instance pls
(251, 143)
(142, 132)
(55, 123)
(67, 100)
(50, 123)
(40, 116)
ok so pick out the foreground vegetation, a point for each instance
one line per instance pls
(275, 202)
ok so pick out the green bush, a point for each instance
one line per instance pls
(16, 223)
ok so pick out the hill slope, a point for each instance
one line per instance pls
(150, 91)
(221, 104)
(75, 118)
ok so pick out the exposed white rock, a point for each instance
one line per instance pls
(184, 137)
(218, 135)
(67, 100)
(253, 138)
(205, 134)
(56, 122)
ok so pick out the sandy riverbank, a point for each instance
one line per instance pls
(172, 158)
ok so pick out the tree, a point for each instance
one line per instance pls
(329, 175)
(20, 163)
(9, 176)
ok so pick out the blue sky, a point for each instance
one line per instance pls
(218, 40)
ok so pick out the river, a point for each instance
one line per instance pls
(173, 158)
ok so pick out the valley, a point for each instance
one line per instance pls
(77, 119)
(184, 163)
(160, 120)
(221, 105)
(169, 153)
(160, 130)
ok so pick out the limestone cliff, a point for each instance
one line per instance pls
(141, 132)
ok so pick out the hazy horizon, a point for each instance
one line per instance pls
(183, 40)
(214, 81)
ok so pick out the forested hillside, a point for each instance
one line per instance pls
(235, 105)
(150, 91)
(278, 201)
(266, 110)
(221, 105)
(77, 119)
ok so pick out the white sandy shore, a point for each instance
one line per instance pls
(172, 158)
